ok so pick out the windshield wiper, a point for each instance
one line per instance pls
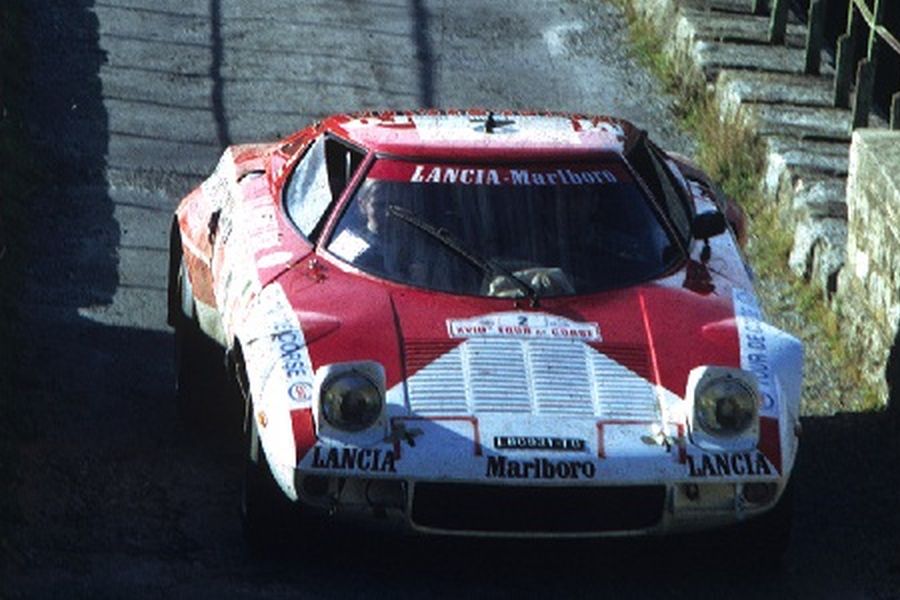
(443, 236)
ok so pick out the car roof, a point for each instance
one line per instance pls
(484, 135)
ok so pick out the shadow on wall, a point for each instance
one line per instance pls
(217, 99)
(424, 53)
(74, 373)
(74, 235)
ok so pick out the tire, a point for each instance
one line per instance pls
(762, 541)
(268, 517)
(199, 364)
(188, 371)
(767, 537)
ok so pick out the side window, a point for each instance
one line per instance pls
(678, 201)
(318, 181)
(307, 194)
(343, 161)
(663, 188)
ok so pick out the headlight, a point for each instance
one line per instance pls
(725, 406)
(351, 401)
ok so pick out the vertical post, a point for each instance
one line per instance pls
(814, 37)
(875, 47)
(843, 66)
(778, 22)
(862, 101)
(846, 58)
(760, 7)
(895, 112)
(874, 38)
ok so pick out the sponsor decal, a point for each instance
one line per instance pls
(530, 442)
(354, 459)
(501, 467)
(300, 391)
(290, 344)
(483, 176)
(262, 223)
(725, 465)
(467, 176)
(219, 187)
(562, 177)
(525, 175)
(523, 325)
(754, 345)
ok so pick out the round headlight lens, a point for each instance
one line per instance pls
(351, 402)
(726, 406)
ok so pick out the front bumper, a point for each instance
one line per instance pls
(465, 476)
(552, 511)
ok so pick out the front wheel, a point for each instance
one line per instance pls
(761, 541)
(193, 363)
(203, 389)
(267, 514)
(768, 536)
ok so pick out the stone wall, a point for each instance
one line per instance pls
(845, 213)
(868, 293)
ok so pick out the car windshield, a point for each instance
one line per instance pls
(510, 231)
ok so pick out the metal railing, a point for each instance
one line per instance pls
(868, 45)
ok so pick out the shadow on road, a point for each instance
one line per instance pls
(844, 544)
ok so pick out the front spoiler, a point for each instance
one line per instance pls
(394, 504)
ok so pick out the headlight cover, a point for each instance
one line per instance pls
(725, 406)
(725, 411)
(351, 402)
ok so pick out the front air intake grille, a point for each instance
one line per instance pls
(502, 509)
(552, 377)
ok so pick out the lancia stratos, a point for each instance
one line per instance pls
(491, 324)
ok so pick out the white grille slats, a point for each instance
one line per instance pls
(550, 377)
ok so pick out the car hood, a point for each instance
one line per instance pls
(612, 366)
(607, 354)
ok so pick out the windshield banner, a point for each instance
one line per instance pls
(526, 175)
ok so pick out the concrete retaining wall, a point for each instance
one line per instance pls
(868, 294)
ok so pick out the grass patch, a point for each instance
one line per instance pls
(734, 157)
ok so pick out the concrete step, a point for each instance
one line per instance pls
(735, 87)
(713, 57)
(831, 158)
(800, 121)
(734, 7)
(740, 28)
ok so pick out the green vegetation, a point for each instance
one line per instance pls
(735, 158)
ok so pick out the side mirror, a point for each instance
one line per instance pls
(708, 225)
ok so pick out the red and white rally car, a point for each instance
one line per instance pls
(511, 324)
